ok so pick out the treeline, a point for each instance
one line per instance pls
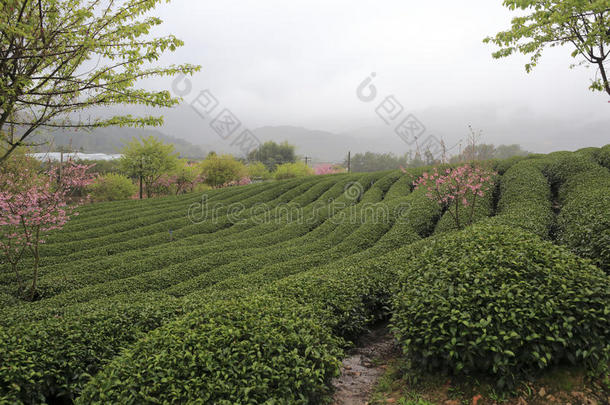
(370, 161)
(150, 168)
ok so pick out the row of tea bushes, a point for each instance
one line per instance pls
(84, 335)
(113, 244)
(345, 297)
(73, 276)
(372, 282)
(253, 350)
(584, 219)
(82, 342)
(336, 238)
(525, 199)
(106, 256)
(165, 273)
(83, 246)
(500, 301)
(117, 220)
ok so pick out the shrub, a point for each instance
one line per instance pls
(185, 176)
(563, 165)
(112, 187)
(257, 350)
(51, 360)
(584, 220)
(258, 171)
(525, 199)
(291, 170)
(603, 156)
(500, 301)
(502, 166)
(457, 190)
(148, 158)
(219, 170)
(201, 188)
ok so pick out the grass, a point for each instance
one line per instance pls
(560, 385)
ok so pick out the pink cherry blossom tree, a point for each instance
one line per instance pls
(327, 169)
(163, 185)
(32, 205)
(244, 181)
(457, 189)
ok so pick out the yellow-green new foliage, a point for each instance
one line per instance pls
(292, 170)
(258, 171)
(112, 187)
(218, 170)
(149, 158)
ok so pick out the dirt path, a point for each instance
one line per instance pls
(361, 370)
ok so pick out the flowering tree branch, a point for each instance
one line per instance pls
(61, 57)
(457, 188)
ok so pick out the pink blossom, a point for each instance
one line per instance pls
(326, 169)
(457, 187)
(34, 204)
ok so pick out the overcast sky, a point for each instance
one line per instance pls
(277, 62)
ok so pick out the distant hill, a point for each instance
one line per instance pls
(110, 140)
(332, 147)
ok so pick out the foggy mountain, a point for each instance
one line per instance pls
(109, 140)
(500, 124)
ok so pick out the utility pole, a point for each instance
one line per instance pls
(141, 171)
(349, 161)
(61, 163)
(306, 159)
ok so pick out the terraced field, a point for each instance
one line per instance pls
(252, 294)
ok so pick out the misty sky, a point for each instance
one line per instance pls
(299, 62)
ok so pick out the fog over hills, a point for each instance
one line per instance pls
(109, 141)
(301, 85)
(508, 124)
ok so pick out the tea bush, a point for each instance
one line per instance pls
(584, 220)
(481, 210)
(256, 306)
(525, 199)
(603, 156)
(563, 165)
(51, 359)
(500, 301)
(244, 351)
(83, 335)
(502, 166)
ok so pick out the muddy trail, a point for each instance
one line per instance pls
(364, 365)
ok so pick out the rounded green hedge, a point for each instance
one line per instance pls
(603, 156)
(584, 220)
(257, 350)
(564, 165)
(500, 301)
(525, 199)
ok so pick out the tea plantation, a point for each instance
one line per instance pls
(252, 295)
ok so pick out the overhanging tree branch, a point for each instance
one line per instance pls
(583, 24)
(45, 46)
